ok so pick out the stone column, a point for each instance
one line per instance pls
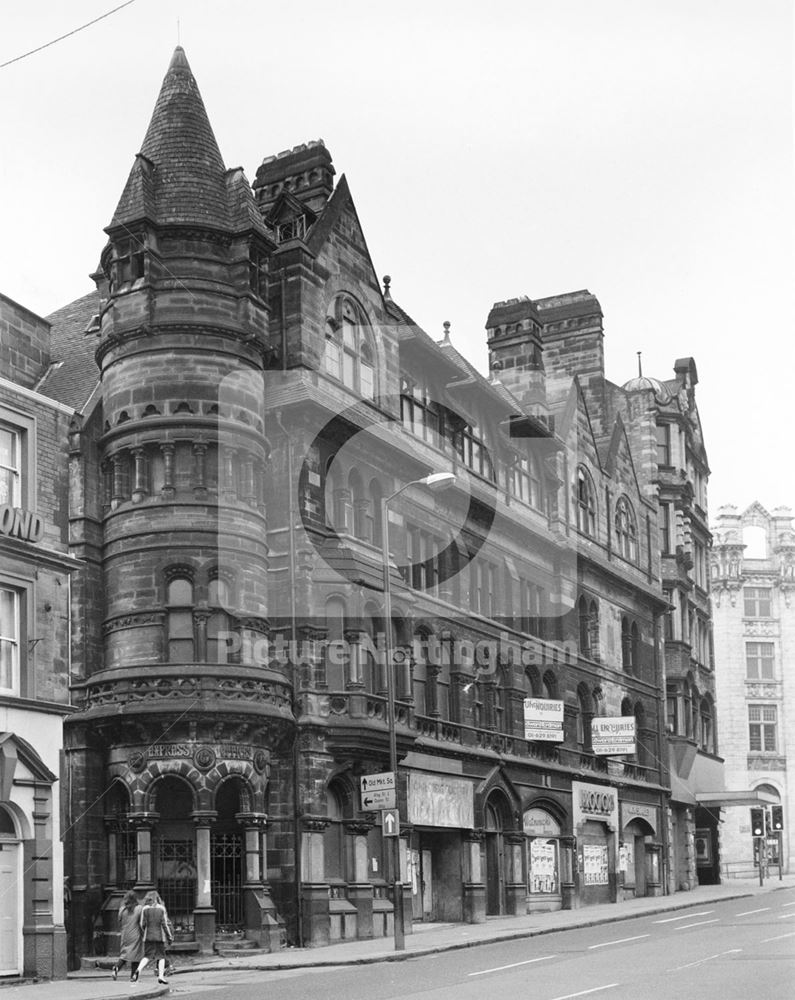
(168, 489)
(117, 494)
(474, 886)
(355, 677)
(314, 888)
(203, 911)
(199, 471)
(140, 484)
(113, 874)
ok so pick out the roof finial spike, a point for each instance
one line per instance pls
(640, 366)
(446, 326)
(179, 42)
(387, 282)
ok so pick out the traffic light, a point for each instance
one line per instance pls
(758, 822)
(777, 824)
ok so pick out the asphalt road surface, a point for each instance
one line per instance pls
(735, 950)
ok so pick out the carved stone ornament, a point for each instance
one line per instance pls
(260, 761)
(204, 758)
(137, 761)
(761, 628)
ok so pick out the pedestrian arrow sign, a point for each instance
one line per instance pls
(390, 823)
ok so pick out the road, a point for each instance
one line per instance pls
(733, 950)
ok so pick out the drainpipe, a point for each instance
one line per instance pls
(663, 755)
(294, 647)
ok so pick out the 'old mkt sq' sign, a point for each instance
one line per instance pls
(18, 523)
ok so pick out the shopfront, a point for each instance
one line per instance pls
(639, 852)
(595, 820)
(543, 833)
(441, 815)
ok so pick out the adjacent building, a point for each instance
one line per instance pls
(753, 579)
(35, 582)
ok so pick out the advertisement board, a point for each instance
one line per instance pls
(543, 719)
(613, 736)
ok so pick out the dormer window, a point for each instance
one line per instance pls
(292, 229)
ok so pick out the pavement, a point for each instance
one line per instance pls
(426, 939)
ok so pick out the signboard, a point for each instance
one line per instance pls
(390, 823)
(440, 800)
(543, 866)
(538, 823)
(613, 735)
(18, 523)
(382, 798)
(594, 802)
(543, 719)
(378, 791)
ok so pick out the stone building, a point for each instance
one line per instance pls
(264, 408)
(35, 570)
(753, 580)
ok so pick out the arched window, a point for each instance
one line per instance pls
(549, 685)
(181, 634)
(335, 655)
(584, 715)
(349, 353)
(584, 627)
(585, 502)
(360, 505)
(376, 493)
(219, 600)
(588, 620)
(641, 750)
(626, 530)
(630, 646)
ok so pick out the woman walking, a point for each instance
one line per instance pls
(131, 946)
(157, 933)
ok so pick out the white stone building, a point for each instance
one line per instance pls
(753, 597)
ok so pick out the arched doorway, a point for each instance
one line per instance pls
(175, 851)
(11, 895)
(633, 861)
(226, 859)
(498, 820)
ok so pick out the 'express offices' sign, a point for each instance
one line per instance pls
(18, 523)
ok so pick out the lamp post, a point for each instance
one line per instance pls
(435, 482)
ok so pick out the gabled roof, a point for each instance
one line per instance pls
(618, 442)
(179, 175)
(73, 374)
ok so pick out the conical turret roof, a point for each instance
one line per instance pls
(179, 175)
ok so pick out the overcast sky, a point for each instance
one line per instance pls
(638, 148)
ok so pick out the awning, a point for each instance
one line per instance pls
(750, 797)
(680, 791)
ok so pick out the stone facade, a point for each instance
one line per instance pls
(753, 579)
(35, 664)
(237, 478)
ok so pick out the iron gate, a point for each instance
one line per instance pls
(176, 881)
(226, 868)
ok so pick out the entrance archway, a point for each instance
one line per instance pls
(175, 851)
(634, 839)
(226, 858)
(498, 820)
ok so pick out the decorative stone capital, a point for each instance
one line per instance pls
(314, 823)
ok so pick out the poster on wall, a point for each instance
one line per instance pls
(613, 736)
(543, 865)
(543, 719)
(595, 868)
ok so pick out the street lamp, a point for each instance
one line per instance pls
(435, 482)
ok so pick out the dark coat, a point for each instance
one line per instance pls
(131, 947)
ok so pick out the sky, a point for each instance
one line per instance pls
(642, 149)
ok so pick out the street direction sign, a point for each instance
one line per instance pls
(390, 823)
(371, 782)
(382, 798)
